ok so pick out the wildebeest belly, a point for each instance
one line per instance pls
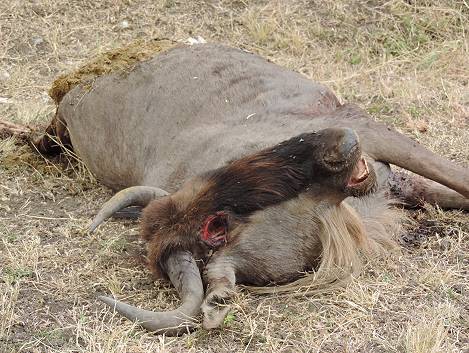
(186, 111)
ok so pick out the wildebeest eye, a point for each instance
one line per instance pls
(215, 229)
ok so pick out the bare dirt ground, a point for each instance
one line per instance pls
(406, 62)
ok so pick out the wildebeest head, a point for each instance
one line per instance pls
(204, 213)
(208, 212)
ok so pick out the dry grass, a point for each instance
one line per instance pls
(116, 60)
(407, 62)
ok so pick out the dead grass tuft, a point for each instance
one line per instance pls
(116, 60)
(7, 308)
(427, 333)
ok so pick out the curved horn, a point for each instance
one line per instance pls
(135, 195)
(185, 276)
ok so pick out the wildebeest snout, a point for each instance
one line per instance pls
(341, 146)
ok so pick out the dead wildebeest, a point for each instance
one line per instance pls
(277, 176)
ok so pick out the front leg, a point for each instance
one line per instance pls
(220, 278)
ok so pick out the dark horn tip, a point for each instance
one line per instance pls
(108, 301)
(94, 224)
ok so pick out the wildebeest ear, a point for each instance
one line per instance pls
(158, 214)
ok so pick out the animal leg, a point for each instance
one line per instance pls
(8, 129)
(220, 278)
(387, 145)
(413, 190)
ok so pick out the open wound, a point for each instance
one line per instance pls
(214, 229)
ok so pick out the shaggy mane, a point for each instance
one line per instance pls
(355, 229)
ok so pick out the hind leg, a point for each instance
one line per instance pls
(413, 191)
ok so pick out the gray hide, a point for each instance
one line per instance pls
(191, 109)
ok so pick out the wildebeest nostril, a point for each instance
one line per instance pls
(348, 142)
(341, 142)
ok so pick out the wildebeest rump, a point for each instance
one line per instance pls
(177, 120)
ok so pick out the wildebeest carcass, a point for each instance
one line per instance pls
(269, 175)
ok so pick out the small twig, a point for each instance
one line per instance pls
(48, 218)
